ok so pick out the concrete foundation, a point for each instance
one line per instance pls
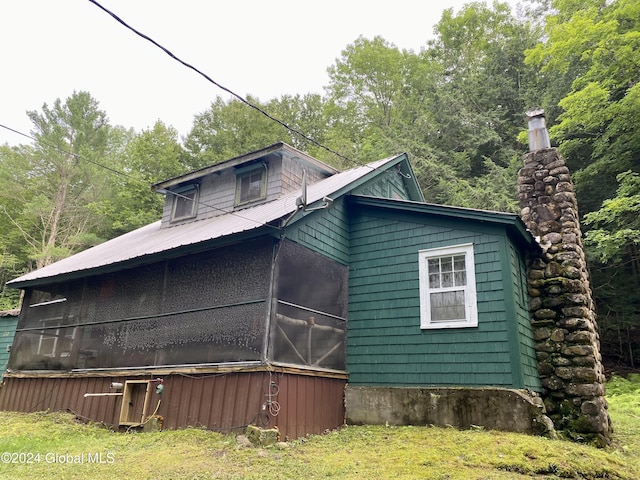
(492, 408)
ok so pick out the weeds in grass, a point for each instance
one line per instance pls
(371, 452)
(623, 395)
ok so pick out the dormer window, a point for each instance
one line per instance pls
(185, 203)
(251, 184)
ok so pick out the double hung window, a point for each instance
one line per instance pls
(447, 287)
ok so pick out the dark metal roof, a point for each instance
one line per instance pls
(151, 242)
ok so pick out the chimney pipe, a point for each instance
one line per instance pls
(538, 134)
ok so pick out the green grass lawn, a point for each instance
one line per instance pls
(55, 445)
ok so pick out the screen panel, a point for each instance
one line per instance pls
(209, 307)
(309, 327)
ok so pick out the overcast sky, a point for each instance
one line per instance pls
(265, 48)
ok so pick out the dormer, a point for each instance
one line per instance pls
(241, 182)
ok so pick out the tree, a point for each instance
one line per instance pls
(146, 158)
(485, 86)
(370, 75)
(615, 232)
(456, 107)
(13, 254)
(49, 185)
(365, 89)
(228, 129)
(231, 128)
(598, 132)
(309, 115)
(594, 47)
(613, 243)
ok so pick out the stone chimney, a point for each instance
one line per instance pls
(562, 309)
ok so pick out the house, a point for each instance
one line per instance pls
(8, 324)
(273, 283)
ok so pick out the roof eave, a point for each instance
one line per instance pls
(239, 160)
(144, 259)
(511, 221)
(412, 184)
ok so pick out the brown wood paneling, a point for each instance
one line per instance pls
(226, 402)
(13, 394)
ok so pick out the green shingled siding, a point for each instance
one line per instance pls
(388, 185)
(7, 332)
(528, 361)
(324, 231)
(385, 343)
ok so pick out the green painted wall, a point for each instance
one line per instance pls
(387, 185)
(327, 231)
(385, 344)
(7, 332)
(324, 231)
(528, 362)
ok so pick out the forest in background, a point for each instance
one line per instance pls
(457, 108)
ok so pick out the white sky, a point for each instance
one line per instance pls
(265, 48)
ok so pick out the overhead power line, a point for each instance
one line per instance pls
(209, 79)
(66, 152)
(131, 177)
(222, 87)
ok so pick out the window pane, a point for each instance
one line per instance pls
(203, 308)
(225, 334)
(325, 291)
(255, 182)
(434, 265)
(303, 338)
(184, 204)
(447, 306)
(447, 264)
(309, 325)
(447, 287)
(251, 186)
(244, 189)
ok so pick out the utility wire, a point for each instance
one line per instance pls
(130, 177)
(209, 79)
(222, 87)
(75, 155)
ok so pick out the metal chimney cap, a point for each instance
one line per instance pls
(538, 134)
(535, 112)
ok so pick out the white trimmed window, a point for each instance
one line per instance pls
(448, 287)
